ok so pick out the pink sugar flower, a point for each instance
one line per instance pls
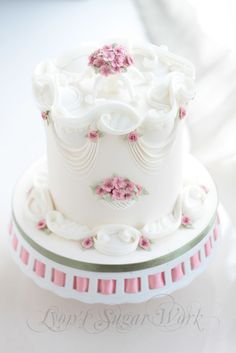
(119, 182)
(117, 194)
(105, 70)
(41, 224)
(110, 59)
(100, 191)
(128, 195)
(144, 243)
(98, 62)
(139, 188)
(205, 188)
(119, 50)
(106, 48)
(108, 185)
(182, 112)
(129, 186)
(87, 242)
(108, 54)
(128, 60)
(133, 136)
(186, 221)
(93, 135)
(44, 115)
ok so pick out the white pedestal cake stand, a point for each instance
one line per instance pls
(63, 267)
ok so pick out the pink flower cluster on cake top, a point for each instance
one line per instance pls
(119, 188)
(110, 59)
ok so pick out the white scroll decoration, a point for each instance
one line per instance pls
(165, 225)
(110, 85)
(117, 118)
(147, 57)
(65, 228)
(175, 62)
(40, 180)
(116, 239)
(45, 85)
(38, 204)
(193, 201)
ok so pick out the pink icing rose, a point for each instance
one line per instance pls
(108, 185)
(44, 115)
(129, 60)
(129, 186)
(91, 59)
(41, 224)
(182, 113)
(87, 242)
(93, 135)
(133, 136)
(105, 70)
(144, 243)
(119, 51)
(98, 62)
(128, 195)
(108, 53)
(186, 221)
(117, 195)
(139, 188)
(100, 191)
(119, 182)
(205, 188)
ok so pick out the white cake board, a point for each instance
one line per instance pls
(173, 263)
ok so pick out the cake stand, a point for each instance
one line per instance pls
(62, 267)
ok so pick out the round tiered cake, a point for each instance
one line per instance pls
(117, 208)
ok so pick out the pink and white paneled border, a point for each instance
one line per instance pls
(113, 288)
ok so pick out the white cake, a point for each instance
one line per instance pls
(117, 212)
(113, 118)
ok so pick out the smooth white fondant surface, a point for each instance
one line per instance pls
(194, 173)
(147, 99)
(72, 192)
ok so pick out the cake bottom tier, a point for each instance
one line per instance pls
(60, 265)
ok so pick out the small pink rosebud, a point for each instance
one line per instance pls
(93, 135)
(117, 194)
(139, 188)
(144, 243)
(105, 70)
(44, 115)
(119, 182)
(87, 242)
(129, 186)
(133, 136)
(182, 113)
(41, 224)
(205, 188)
(128, 195)
(100, 191)
(108, 185)
(186, 221)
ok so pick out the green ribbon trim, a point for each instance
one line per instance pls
(86, 266)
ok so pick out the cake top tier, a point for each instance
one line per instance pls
(116, 85)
